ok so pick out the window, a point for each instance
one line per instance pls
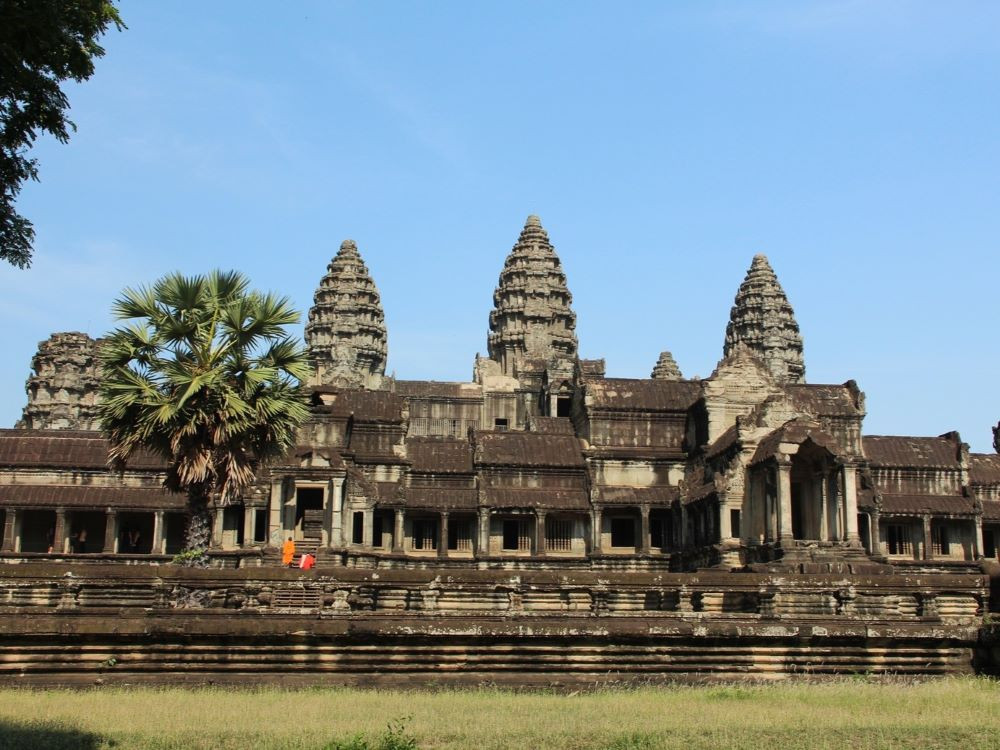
(500, 425)
(515, 535)
(898, 539)
(377, 531)
(939, 540)
(459, 535)
(558, 534)
(623, 532)
(260, 525)
(734, 522)
(456, 428)
(424, 533)
(358, 536)
(562, 406)
(989, 543)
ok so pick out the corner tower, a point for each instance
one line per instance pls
(532, 317)
(763, 322)
(345, 335)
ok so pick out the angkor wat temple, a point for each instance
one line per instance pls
(541, 487)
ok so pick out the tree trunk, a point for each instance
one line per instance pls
(198, 534)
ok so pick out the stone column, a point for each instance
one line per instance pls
(369, 528)
(443, 535)
(60, 538)
(851, 504)
(217, 527)
(875, 531)
(596, 529)
(398, 530)
(483, 548)
(336, 513)
(111, 532)
(824, 520)
(157, 546)
(977, 540)
(275, 521)
(10, 536)
(540, 532)
(685, 527)
(784, 500)
(249, 522)
(928, 540)
(643, 529)
(725, 524)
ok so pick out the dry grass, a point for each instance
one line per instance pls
(858, 714)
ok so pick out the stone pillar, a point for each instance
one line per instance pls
(784, 502)
(398, 530)
(725, 522)
(249, 524)
(643, 529)
(10, 540)
(824, 519)
(977, 540)
(928, 540)
(111, 532)
(483, 548)
(60, 538)
(217, 527)
(369, 528)
(596, 529)
(443, 535)
(685, 527)
(540, 532)
(336, 513)
(158, 546)
(851, 504)
(875, 531)
(275, 519)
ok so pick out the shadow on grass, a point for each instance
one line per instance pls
(34, 735)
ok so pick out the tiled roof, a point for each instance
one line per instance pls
(636, 495)
(626, 394)
(364, 406)
(433, 455)
(824, 400)
(723, 443)
(441, 498)
(796, 431)
(529, 449)
(64, 449)
(899, 450)
(436, 389)
(991, 510)
(75, 496)
(552, 425)
(516, 497)
(918, 504)
(984, 468)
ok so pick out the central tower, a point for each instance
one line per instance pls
(532, 318)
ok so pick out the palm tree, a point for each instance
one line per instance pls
(204, 375)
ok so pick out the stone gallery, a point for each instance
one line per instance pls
(541, 519)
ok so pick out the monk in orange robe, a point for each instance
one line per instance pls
(288, 552)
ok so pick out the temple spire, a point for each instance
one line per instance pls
(346, 335)
(532, 317)
(666, 368)
(763, 322)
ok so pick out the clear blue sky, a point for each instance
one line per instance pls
(856, 143)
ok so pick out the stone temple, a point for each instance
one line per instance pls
(539, 488)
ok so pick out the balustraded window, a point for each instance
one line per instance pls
(899, 540)
(424, 534)
(558, 534)
(939, 540)
(516, 535)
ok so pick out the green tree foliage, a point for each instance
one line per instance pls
(42, 44)
(203, 375)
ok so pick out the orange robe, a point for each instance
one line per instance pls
(287, 552)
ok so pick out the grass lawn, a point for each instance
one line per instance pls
(961, 713)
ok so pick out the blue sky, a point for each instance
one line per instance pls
(855, 143)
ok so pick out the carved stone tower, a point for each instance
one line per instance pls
(762, 321)
(531, 317)
(345, 335)
(666, 368)
(63, 389)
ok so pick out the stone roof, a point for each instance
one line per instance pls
(825, 400)
(346, 334)
(441, 498)
(65, 449)
(991, 510)
(724, 442)
(627, 394)
(364, 406)
(763, 322)
(519, 497)
(532, 317)
(666, 368)
(920, 504)
(551, 425)
(796, 431)
(984, 468)
(609, 495)
(436, 389)
(918, 452)
(76, 496)
(436, 455)
(528, 449)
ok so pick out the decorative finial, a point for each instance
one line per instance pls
(533, 221)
